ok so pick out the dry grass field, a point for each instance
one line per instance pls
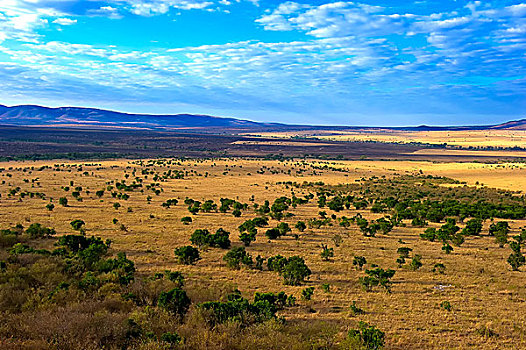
(463, 138)
(483, 291)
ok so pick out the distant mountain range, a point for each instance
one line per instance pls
(31, 115)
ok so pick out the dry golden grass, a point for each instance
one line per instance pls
(482, 289)
(475, 138)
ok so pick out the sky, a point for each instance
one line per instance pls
(376, 63)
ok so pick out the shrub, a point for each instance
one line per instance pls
(273, 233)
(187, 255)
(50, 206)
(326, 253)
(176, 277)
(359, 262)
(203, 238)
(369, 337)
(500, 230)
(172, 338)
(355, 309)
(446, 305)
(239, 309)
(377, 276)
(300, 226)
(77, 224)
(122, 268)
(307, 293)
(295, 271)
(516, 258)
(416, 262)
(186, 220)
(247, 237)
(473, 227)
(175, 301)
(237, 256)
(63, 201)
(36, 230)
(439, 268)
(404, 252)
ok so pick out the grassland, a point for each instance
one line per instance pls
(463, 138)
(487, 297)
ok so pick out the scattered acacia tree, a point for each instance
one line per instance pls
(500, 230)
(202, 238)
(326, 252)
(377, 277)
(416, 262)
(237, 256)
(448, 233)
(307, 293)
(300, 226)
(187, 255)
(36, 230)
(359, 262)
(273, 233)
(50, 206)
(175, 301)
(516, 258)
(473, 227)
(439, 268)
(186, 220)
(355, 310)
(63, 201)
(365, 337)
(295, 271)
(77, 224)
(247, 237)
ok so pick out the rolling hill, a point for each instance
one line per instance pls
(32, 115)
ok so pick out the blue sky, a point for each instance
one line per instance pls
(319, 62)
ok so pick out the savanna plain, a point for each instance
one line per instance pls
(250, 253)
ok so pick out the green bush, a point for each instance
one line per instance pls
(175, 301)
(359, 262)
(36, 230)
(369, 337)
(187, 255)
(237, 256)
(307, 293)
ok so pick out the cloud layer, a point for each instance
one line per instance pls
(335, 62)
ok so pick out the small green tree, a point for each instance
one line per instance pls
(366, 337)
(77, 224)
(63, 201)
(247, 237)
(516, 258)
(416, 262)
(359, 262)
(187, 255)
(326, 253)
(295, 271)
(175, 301)
(307, 293)
(300, 226)
(237, 256)
(186, 220)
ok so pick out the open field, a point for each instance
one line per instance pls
(19, 143)
(487, 297)
(463, 138)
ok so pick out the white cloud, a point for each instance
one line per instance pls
(65, 21)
